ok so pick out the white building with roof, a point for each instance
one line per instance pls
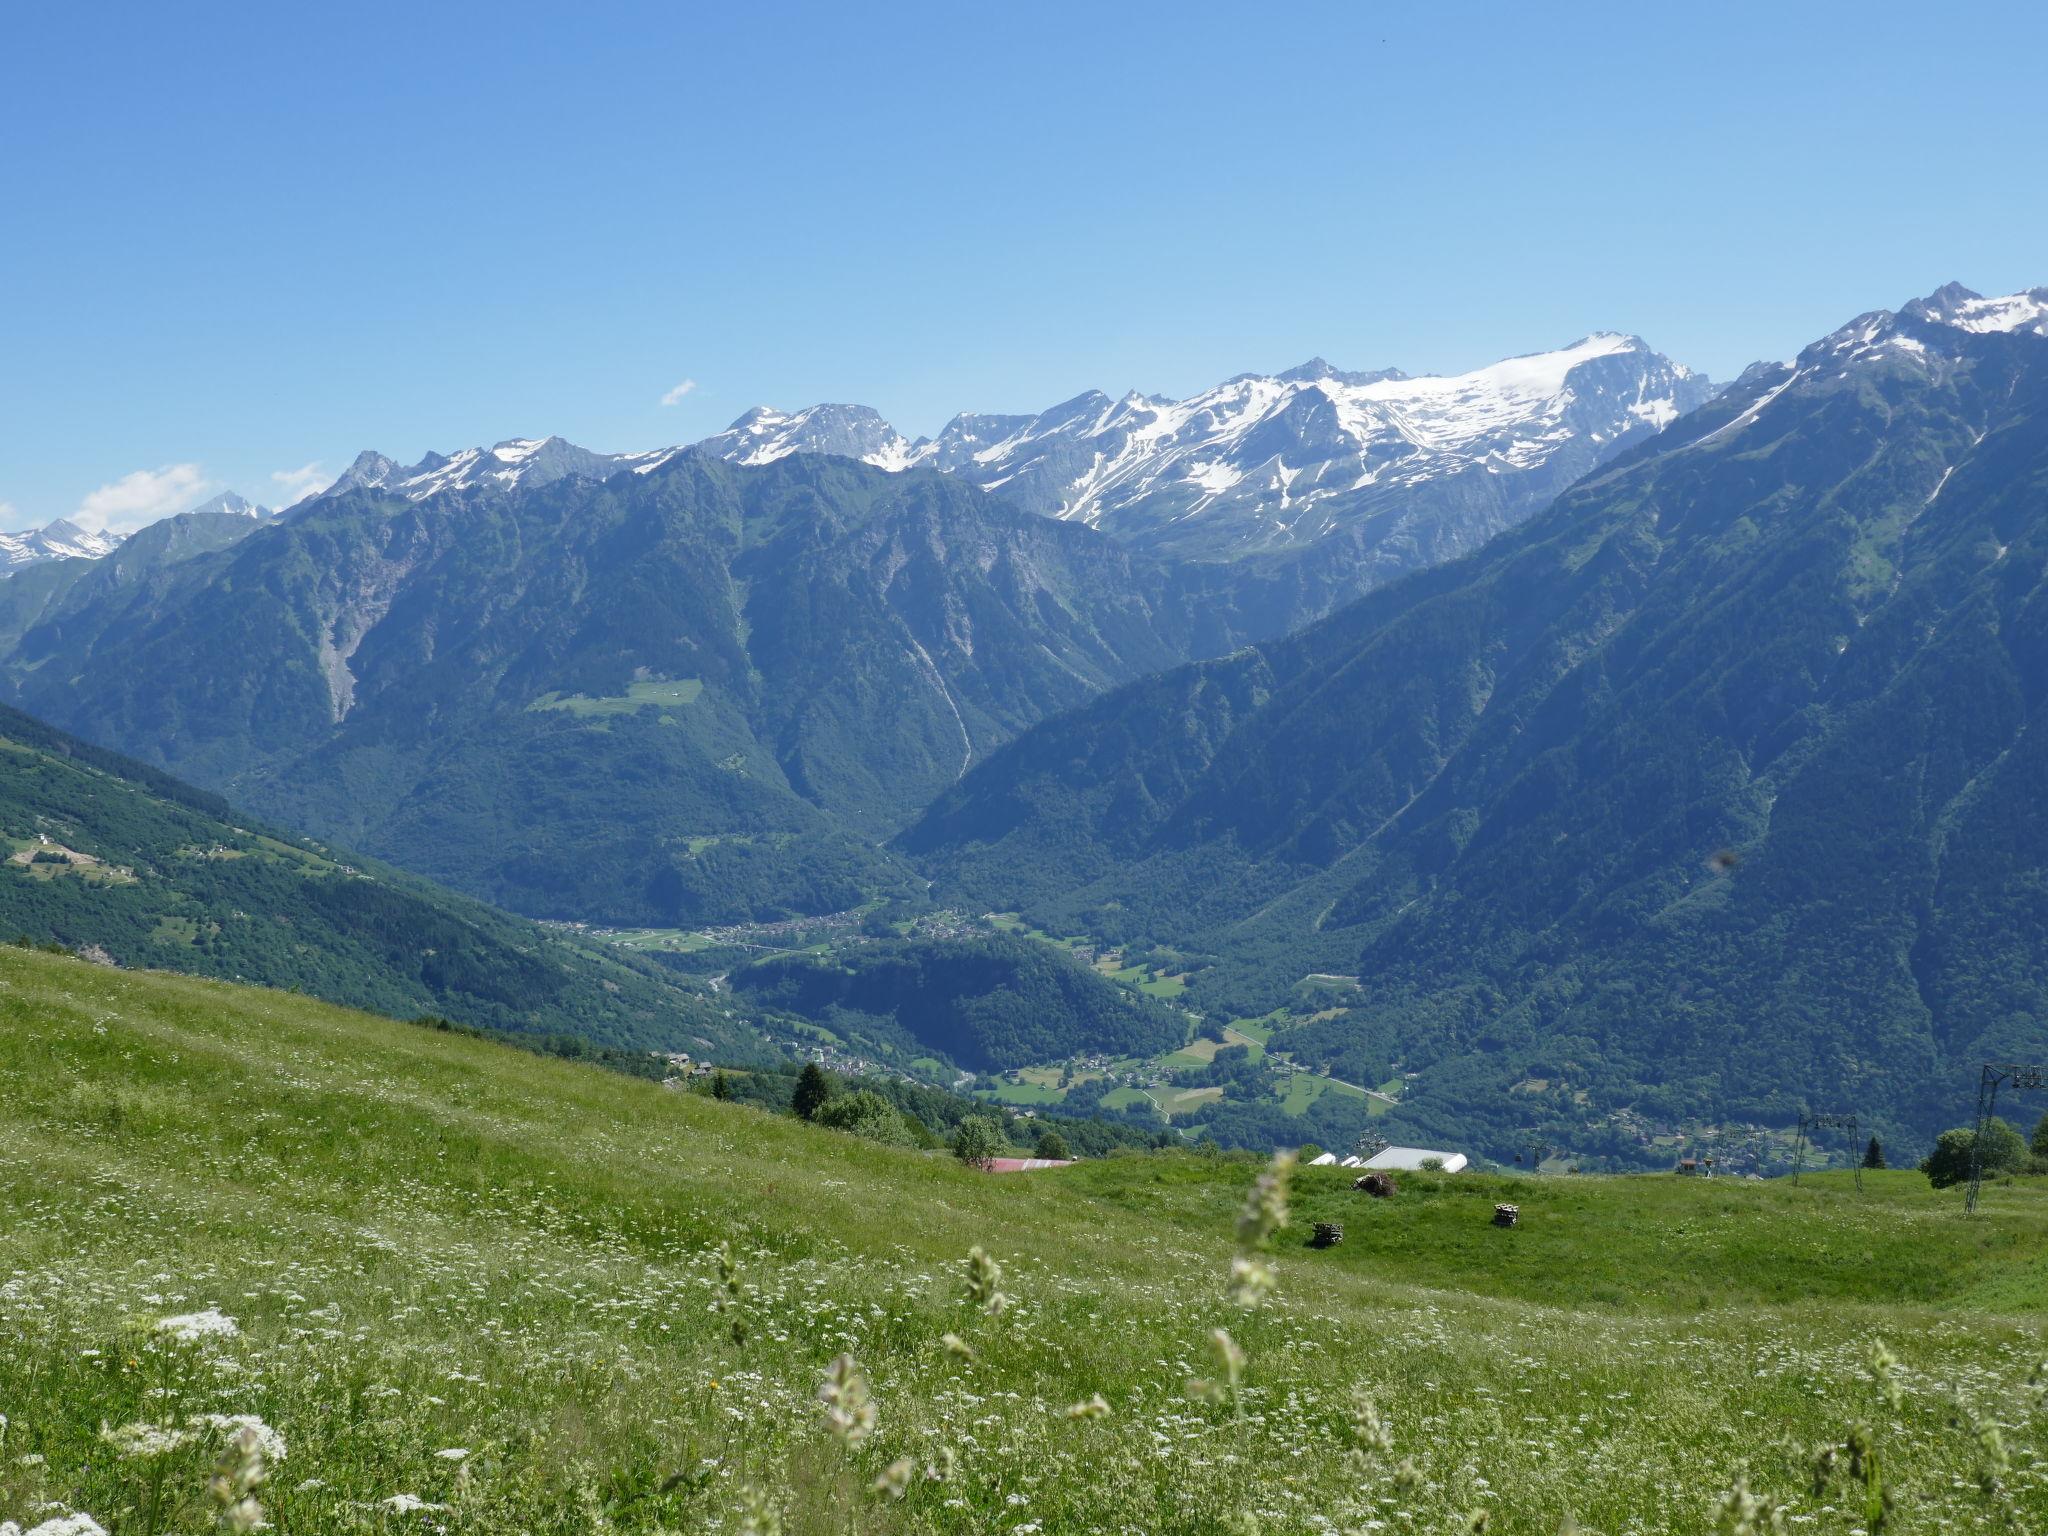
(1411, 1159)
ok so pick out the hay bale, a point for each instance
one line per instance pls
(1379, 1185)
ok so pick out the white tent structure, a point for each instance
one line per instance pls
(1324, 1161)
(1411, 1159)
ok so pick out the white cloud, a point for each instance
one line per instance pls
(675, 396)
(295, 485)
(131, 502)
(6, 514)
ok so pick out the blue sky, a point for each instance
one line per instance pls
(243, 242)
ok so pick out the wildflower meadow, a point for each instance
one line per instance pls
(270, 1265)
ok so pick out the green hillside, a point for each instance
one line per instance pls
(474, 1291)
(1710, 794)
(117, 859)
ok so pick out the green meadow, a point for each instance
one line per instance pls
(459, 1288)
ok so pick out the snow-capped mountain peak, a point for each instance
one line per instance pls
(1930, 332)
(229, 504)
(1417, 467)
(60, 540)
(1270, 460)
(515, 462)
(764, 434)
(1954, 305)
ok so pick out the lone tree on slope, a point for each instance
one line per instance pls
(978, 1141)
(813, 1088)
(1949, 1162)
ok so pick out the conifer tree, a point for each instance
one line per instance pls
(813, 1088)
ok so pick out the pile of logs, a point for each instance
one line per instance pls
(1506, 1215)
(1379, 1185)
(1328, 1234)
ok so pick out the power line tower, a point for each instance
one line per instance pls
(1826, 1120)
(1995, 1075)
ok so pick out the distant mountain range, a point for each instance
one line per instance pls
(1377, 473)
(65, 540)
(1717, 789)
(701, 693)
(1420, 467)
(1707, 791)
(61, 540)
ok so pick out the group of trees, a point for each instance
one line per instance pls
(2004, 1151)
(896, 1113)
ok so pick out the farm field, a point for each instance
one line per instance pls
(638, 695)
(471, 1290)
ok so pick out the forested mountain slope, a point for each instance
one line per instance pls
(692, 692)
(984, 1003)
(1715, 790)
(125, 863)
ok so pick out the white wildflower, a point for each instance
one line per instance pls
(192, 1327)
(134, 1442)
(408, 1504)
(64, 1525)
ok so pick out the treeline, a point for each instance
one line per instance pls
(930, 1116)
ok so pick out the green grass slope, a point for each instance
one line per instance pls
(465, 1279)
(98, 852)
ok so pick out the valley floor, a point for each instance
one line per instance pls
(476, 1291)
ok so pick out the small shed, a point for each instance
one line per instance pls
(1411, 1159)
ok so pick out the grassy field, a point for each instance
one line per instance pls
(640, 695)
(477, 1291)
(1305, 1088)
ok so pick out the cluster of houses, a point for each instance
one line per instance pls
(1396, 1160)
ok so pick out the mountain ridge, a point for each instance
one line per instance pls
(1709, 774)
(701, 692)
